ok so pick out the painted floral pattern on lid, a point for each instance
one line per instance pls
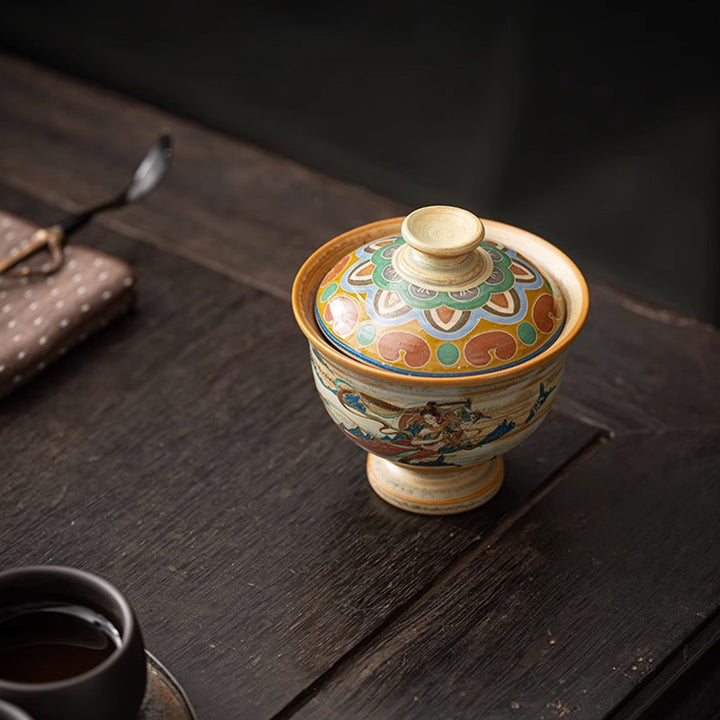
(439, 299)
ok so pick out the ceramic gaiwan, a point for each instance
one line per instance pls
(437, 344)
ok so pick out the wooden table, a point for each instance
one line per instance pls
(183, 454)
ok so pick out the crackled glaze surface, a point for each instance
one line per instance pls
(369, 311)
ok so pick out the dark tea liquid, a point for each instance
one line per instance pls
(53, 642)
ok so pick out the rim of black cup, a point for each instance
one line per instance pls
(12, 712)
(87, 579)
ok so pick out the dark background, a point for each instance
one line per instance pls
(594, 125)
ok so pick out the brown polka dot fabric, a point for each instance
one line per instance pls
(41, 317)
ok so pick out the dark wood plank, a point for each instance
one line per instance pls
(684, 686)
(694, 696)
(568, 612)
(636, 367)
(226, 204)
(183, 454)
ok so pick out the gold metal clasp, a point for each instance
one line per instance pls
(50, 239)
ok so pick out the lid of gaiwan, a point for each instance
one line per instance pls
(441, 298)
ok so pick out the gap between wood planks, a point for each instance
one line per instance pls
(476, 548)
(642, 697)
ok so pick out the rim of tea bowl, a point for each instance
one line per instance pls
(114, 687)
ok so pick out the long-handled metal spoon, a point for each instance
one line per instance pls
(147, 177)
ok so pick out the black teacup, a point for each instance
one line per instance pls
(70, 646)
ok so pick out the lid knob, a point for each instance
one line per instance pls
(442, 249)
(443, 231)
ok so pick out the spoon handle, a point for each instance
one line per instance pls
(72, 223)
(147, 177)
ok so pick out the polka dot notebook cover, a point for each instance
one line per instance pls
(41, 317)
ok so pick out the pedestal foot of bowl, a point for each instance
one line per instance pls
(432, 490)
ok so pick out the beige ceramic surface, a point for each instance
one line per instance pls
(441, 298)
(435, 442)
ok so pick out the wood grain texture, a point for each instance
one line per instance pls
(570, 610)
(225, 203)
(638, 368)
(184, 454)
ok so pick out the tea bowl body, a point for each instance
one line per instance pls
(435, 444)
